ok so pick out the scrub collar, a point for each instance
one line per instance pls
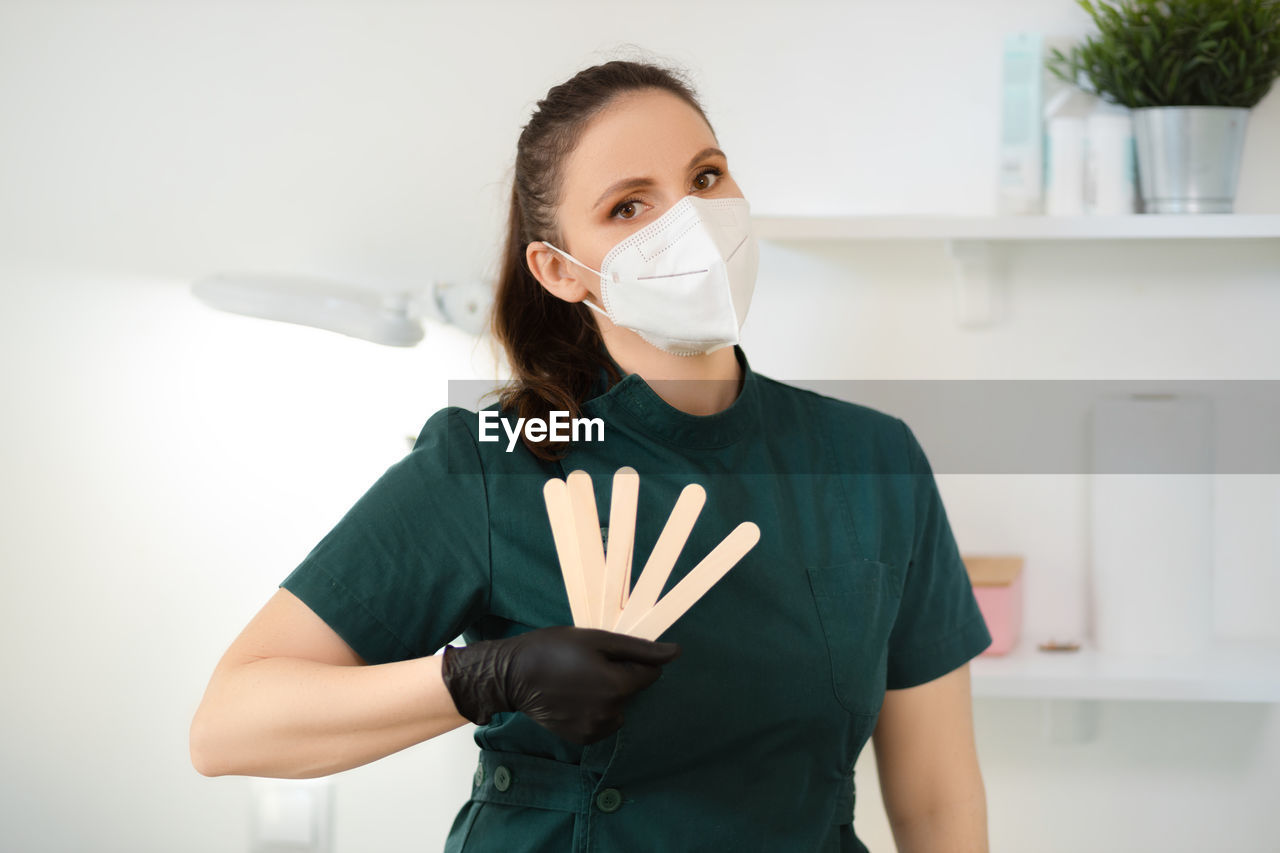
(633, 401)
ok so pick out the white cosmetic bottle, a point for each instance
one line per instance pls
(1064, 165)
(1110, 179)
(1020, 179)
(1064, 151)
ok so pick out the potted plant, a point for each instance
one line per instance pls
(1189, 71)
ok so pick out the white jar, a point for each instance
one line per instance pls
(1110, 179)
(1064, 166)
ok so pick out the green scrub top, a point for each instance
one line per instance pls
(747, 741)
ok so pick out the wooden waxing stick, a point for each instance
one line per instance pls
(695, 584)
(622, 535)
(560, 513)
(586, 519)
(663, 557)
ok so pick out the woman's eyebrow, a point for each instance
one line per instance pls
(633, 183)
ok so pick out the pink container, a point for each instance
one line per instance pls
(997, 585)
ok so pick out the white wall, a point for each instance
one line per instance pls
(166, 466)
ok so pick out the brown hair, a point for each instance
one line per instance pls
(554, 347)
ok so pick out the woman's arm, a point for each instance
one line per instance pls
(290, 699)
(928, 767)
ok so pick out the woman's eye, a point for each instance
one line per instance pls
(699, 184)
(711, 170)
(626, 203)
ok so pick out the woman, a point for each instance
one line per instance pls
(851, 618)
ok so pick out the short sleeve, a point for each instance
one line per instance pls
(939, 626)
(406, 569)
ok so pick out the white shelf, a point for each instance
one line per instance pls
(975, 244)
(1231, 671)
(1215, 226)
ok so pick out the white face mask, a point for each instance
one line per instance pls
(684, 281)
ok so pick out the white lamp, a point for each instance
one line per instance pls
(394, 319)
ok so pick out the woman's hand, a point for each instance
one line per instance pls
(572, 681)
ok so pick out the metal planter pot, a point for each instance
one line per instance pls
(1189, 157)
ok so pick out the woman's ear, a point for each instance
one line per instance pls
(553, 272)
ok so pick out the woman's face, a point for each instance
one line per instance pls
(644, 153)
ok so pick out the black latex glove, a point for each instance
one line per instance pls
(572, 681)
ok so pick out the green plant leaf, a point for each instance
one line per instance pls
(1176, 52)
(1171, 87)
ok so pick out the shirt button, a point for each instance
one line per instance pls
(609, 800)
(478, 777)
(501, 778)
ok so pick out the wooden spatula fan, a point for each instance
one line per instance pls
(598, 586)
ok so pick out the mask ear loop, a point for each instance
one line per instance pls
(590, 305)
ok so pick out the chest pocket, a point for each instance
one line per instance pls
(857, 602)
